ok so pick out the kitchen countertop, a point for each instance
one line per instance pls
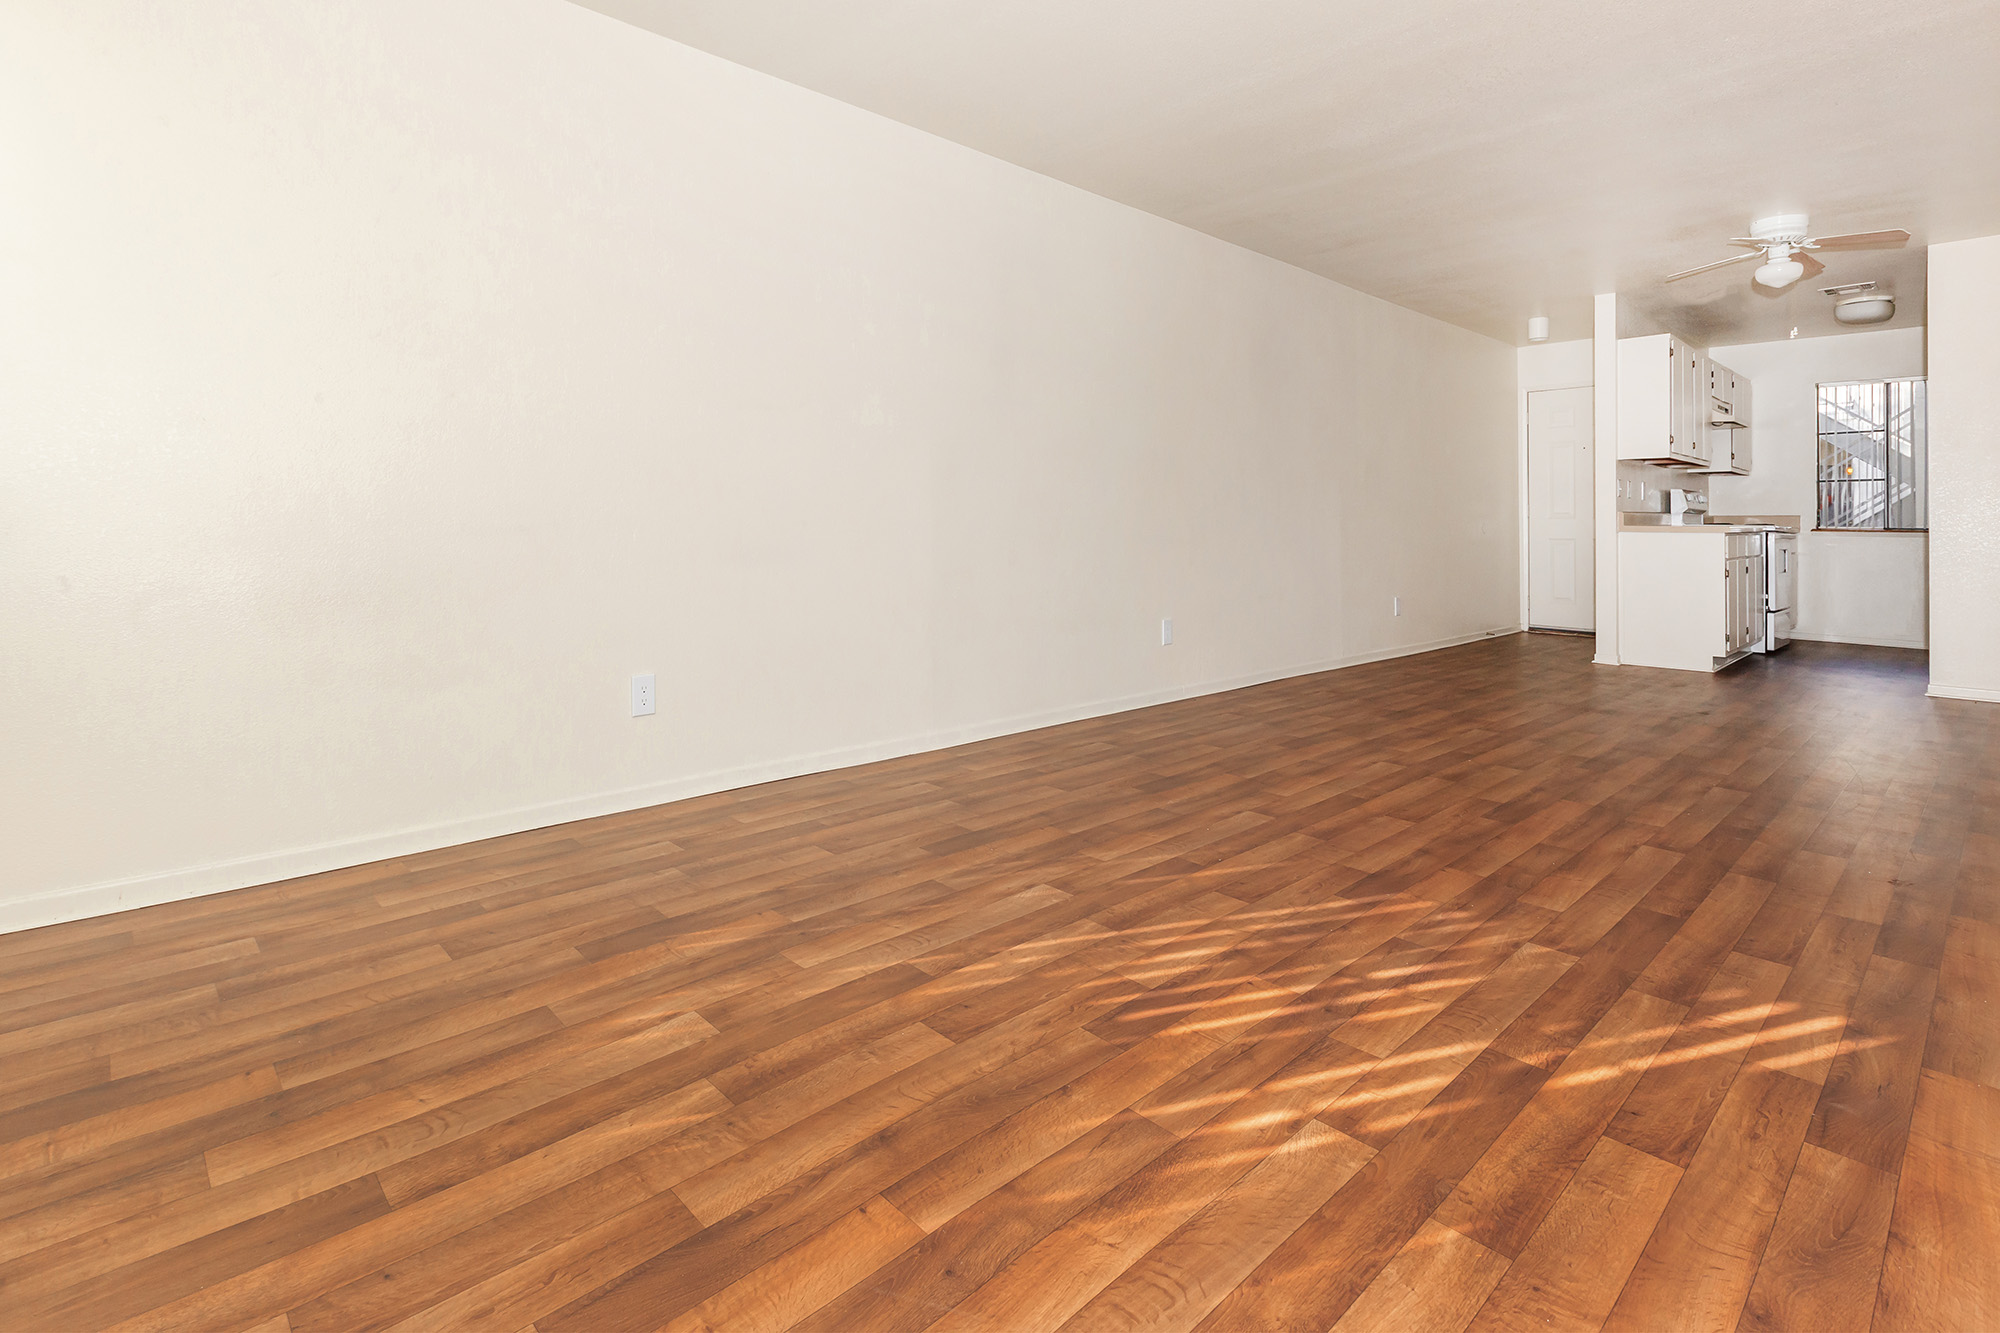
(1713, 523)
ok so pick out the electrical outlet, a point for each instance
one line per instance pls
(1396, 606)
(1167, 632)
(643, 701)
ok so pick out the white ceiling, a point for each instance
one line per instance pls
(1480, 162)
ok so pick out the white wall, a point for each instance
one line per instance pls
(387, 382)
(1854, 587)
(1964, 399)
(1563, 365)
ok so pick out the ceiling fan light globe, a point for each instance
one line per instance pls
(1779, 274)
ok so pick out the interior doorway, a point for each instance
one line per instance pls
(1562, 553)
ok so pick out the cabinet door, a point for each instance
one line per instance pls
(1698, 404)
(1676, 418)
(1739, 439)
(1743, 602)
(1753, 602)
(1694, 381)
(1646, 398)
(1715, 383)
(1736, 582)
(1685, 423)
(1739, 394)
(1729, 601)
(1754, 605)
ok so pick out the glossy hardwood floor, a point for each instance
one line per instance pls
(1484, 989)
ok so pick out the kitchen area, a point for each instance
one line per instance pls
(1698, 589)
(1720, 471)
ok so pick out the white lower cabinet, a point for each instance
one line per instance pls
(1743, 575)
(1688, 598)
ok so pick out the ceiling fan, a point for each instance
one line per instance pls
(1786, 249)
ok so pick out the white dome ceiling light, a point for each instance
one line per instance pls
(1860, 303)
(1784, 243)
(1865, 309)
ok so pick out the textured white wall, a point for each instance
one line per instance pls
(1563, 365)
(1964, 286)
(387, 382)
(1854, 587)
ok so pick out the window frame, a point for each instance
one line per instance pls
(1920, 456)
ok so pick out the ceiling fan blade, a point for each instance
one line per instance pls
(1733, 259)
(1813, 267)
(1861, 240)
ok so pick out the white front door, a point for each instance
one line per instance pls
(1561, 550)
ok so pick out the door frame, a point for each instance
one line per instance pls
(1521, 484)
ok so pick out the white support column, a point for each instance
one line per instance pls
(1605, 476)
(1963, 298)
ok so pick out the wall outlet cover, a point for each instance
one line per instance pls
(644, 701)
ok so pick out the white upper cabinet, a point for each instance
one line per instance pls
(1729, 402)
(1661, 409)
(1669, 397)
(1739, 439)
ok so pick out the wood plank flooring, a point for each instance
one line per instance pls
(1478, 990)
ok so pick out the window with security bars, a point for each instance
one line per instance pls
(1871, 455)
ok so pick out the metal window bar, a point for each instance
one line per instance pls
(1872, 447)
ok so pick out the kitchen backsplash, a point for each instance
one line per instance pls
(1643, 487)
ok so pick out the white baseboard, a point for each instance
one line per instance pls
(75, 904)
(1937, 691)
(1918, 644)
